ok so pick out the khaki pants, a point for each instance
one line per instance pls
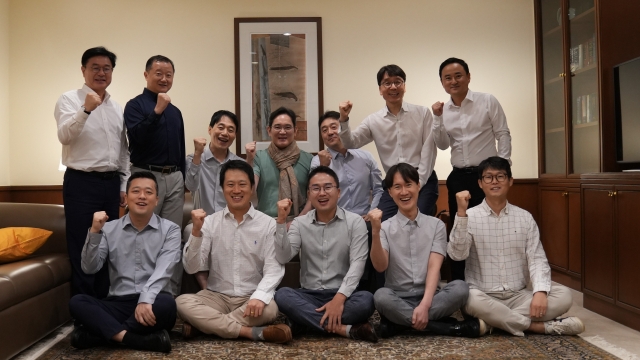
(219, 314)
(509, 310)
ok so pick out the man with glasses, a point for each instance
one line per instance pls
(501, 244)
(94, 150)
(282, 169)
(332, 243)
(402, 134)
(471, 123)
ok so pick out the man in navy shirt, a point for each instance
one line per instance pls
(156, 137)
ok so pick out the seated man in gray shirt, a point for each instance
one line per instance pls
(410, 247)
(142, 250)
(203, 171)
(243, 271)
(332, 243)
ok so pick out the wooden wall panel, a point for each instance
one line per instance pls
(5, 193)
(47, 194)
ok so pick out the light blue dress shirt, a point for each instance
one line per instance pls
(360, 179)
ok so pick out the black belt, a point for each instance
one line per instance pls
(102, 175)
(167, 169)
(466, 170)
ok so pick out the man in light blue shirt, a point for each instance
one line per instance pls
(142, 250)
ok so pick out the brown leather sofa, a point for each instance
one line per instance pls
(35, 292)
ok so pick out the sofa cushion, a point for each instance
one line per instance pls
(16, 243)
(27, 278)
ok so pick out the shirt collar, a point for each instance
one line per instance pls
(339, 214)
(488, 211)
(207, 155)
(154, 222)
(150, 94)
(470, 96)
(405, 108)
(334, 154)
(403, 220)
(251, 213)
(86, 89)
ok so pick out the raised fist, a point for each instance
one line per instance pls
(375, 218)
(325, 157)
(251, 152)
(163, 102)
(437, 108)
(284, 207)
(197, 217)
(99, 218)
(199, 145)
(345, 109)
(462, 198)
(92, 101)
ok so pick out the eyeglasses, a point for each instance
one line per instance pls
(279, 128)
(327, 188)
(397, 83)
(106, 69)
(488, 179)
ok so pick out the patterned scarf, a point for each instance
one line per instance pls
(289, 188)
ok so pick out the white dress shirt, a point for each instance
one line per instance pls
(95, 142)
(405, 138)
(241, 257)
(332, 255)
(410, 244)
(502, 250)
(360, 179)
(472, 130)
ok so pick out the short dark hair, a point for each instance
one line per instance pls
(391, 70)
(142, 175)
(282, 111)
(237, 165)
(323, 170)
(158, 58)
(328, 115)
(217, 116)
(408, 173)
(98, 51)
(450, 61)
(495, 163)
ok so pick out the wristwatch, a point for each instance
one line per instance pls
(85, 110)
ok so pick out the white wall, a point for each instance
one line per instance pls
(4, 94)
(47, 38)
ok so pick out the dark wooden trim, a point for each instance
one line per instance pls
(38, 194)
(612, 311)
(236, 42)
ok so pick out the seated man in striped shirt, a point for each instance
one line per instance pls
(501, 244)
(238, 243)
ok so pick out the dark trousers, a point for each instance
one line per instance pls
(111, 315)
(371, 280)
(300, 305)
(460, 180)
(84, 194)
(426, 199)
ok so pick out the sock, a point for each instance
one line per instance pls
(256, 333)
(348, 331)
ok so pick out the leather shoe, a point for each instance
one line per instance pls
(363, 332)
(389, 329)
(81, 338)
(189, 331)
(471, 328)
(278, 334)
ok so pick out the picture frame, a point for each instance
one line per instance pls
(278, 62)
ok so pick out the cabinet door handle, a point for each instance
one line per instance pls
(611, 193)
(614, 193)
(565, 193)
(573, 74)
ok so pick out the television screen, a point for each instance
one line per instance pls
(627, 83)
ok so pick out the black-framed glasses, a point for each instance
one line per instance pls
(488, 179)
(286, 128)
(397, 83)
(328, 188)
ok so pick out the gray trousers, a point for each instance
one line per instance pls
(398, 306)
(170, 207)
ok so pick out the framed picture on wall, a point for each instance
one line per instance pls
(278, 62)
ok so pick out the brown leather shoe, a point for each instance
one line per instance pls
(363, 332)
(278, 334)
(189, 331)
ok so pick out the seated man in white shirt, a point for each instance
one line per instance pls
(501, 244)
(410, 247)
(243, 270)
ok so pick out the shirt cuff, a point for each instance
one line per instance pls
(95, 238)
(281, 229)
(541, 287)
(147, 297)
(81, 116)
(262, 296)
(344, 290)
(461, 220)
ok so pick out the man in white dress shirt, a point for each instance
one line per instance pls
(470, 123)
(502, 246)
(94, 150)
(243, 270)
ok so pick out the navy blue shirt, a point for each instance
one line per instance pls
(154, 139)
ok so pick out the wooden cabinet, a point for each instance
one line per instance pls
(611, 224)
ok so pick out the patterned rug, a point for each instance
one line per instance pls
(409, 345)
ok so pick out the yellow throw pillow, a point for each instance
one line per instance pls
(17, 243)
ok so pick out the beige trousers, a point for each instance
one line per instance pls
(219, 314)
(509, 310)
